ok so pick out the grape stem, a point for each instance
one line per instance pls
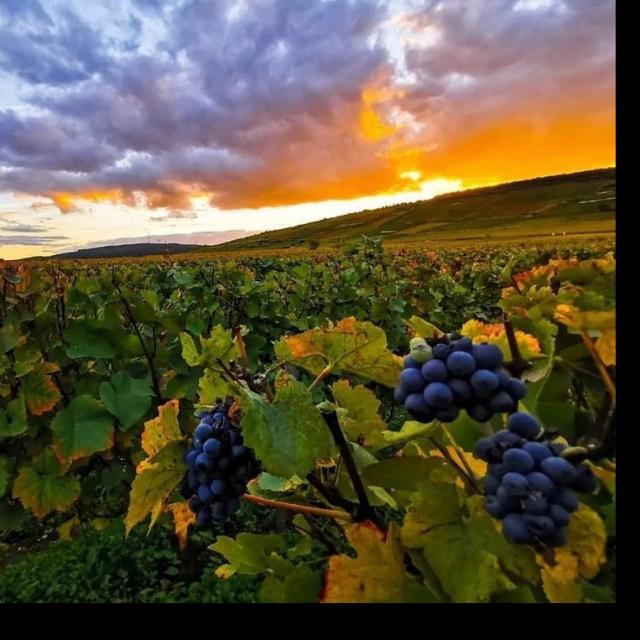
(518, 365)
(461, 472)
(299, 508)
(364, 511)
(602, 369)
(330, 494)
(242, 348)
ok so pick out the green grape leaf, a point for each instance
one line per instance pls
(6, 469)
(219, 345)
(248, 553)
(404, 474)
(43, 487)
(212, 386)
(89, 339)
(349, 347)
(274, 484)
(289, 435)
(156, 478)
(10, 338)
(12, 516)
(361, 422)
(40, 392)
(13, 419)
(411, 430)
(81, 429)
(127, 398)
(301, 585)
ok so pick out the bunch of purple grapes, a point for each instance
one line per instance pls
(530, 486)
(438, 382)
(219, 466)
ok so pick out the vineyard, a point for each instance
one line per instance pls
(370, 425)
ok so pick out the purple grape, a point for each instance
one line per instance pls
(540, 482)
(463, 344)
(461, 364)
(411, 381)
(566, 498)
(537, 451)
(515, 484)
(559, 515)
(501, 402)
(518, 460)
(438, 395)
(524, 425)
(410, 363)
(461, 390)
(559, 470)
(484, 382)
(449, 414)
(516, 530)
(487, 356)
(434, 371)
(441, 351)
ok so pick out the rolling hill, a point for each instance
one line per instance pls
(576, 203)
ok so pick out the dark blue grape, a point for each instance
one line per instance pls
(411, 381)
(540, 482)
(195, 503)
(501, 402)
(559, 515)
(518, 460)
(506, 440)
(523, 424)
(410, 363)
(490, 484)
(559, 470)
(204, 516)
(515, 484)
(217, 487)
(434, 371)
(203, 462)
(540, 526)
(224, 463)
(535, 505)
(196, 444)
(586, 482)
(461, 390)
(463, 344)
(449, 414)
(417, 405)
(479, 412)
(503, 377)
(238, 450)
(212, 447)
(537, 451)
(461, 364)
(495, 508)
(232, 506)
(203, 477)
(559, 536)
(566, 498)
(515, 529)
(487, 356)
(203, 432)
(204, 493)
(496, 469)
(483, 449)
(190, 459)
(192, 480)
(516, 389)
(441, 351)
(484, 382)
(399, 395)
(438, 395)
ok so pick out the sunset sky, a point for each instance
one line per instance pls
(203, 120)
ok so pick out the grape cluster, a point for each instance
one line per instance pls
(529, 486)
(219, 466)
(437, 382)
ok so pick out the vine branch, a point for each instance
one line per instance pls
(300, 508)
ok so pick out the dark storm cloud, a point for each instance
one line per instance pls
(259, 102)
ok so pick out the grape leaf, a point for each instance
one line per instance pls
(495, 334)
(423, 329)
(362, 423)
(43, 487)
(348, 347)
(81, 429)
(219, 345)
(301, 585)
(411, 430)
(248, 553)
(183, 518)
(127, 398)
(404, 474)
(89, 338)
(378, 572)
(10, 337)
(289, 435)
(156, 478)
(162, 430)
(13, 419)
(212, 387)
(6, 468)
(40, 392)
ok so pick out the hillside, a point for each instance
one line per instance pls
(577, 203)
(129, 250)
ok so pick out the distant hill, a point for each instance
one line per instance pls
(130, 250)
(575, 203)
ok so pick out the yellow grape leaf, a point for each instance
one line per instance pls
(602, 321)
(479, 467)
(183, 518)
(350, 347)
(377, 574)
(43, 487)
(39, 390)
(582, 556)
(495, 334)
(608, 478)
(69, 528)
(362, 420)
(587, 538)
(161, 430)
(156, 479)
(423, 329)
(560, 581)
